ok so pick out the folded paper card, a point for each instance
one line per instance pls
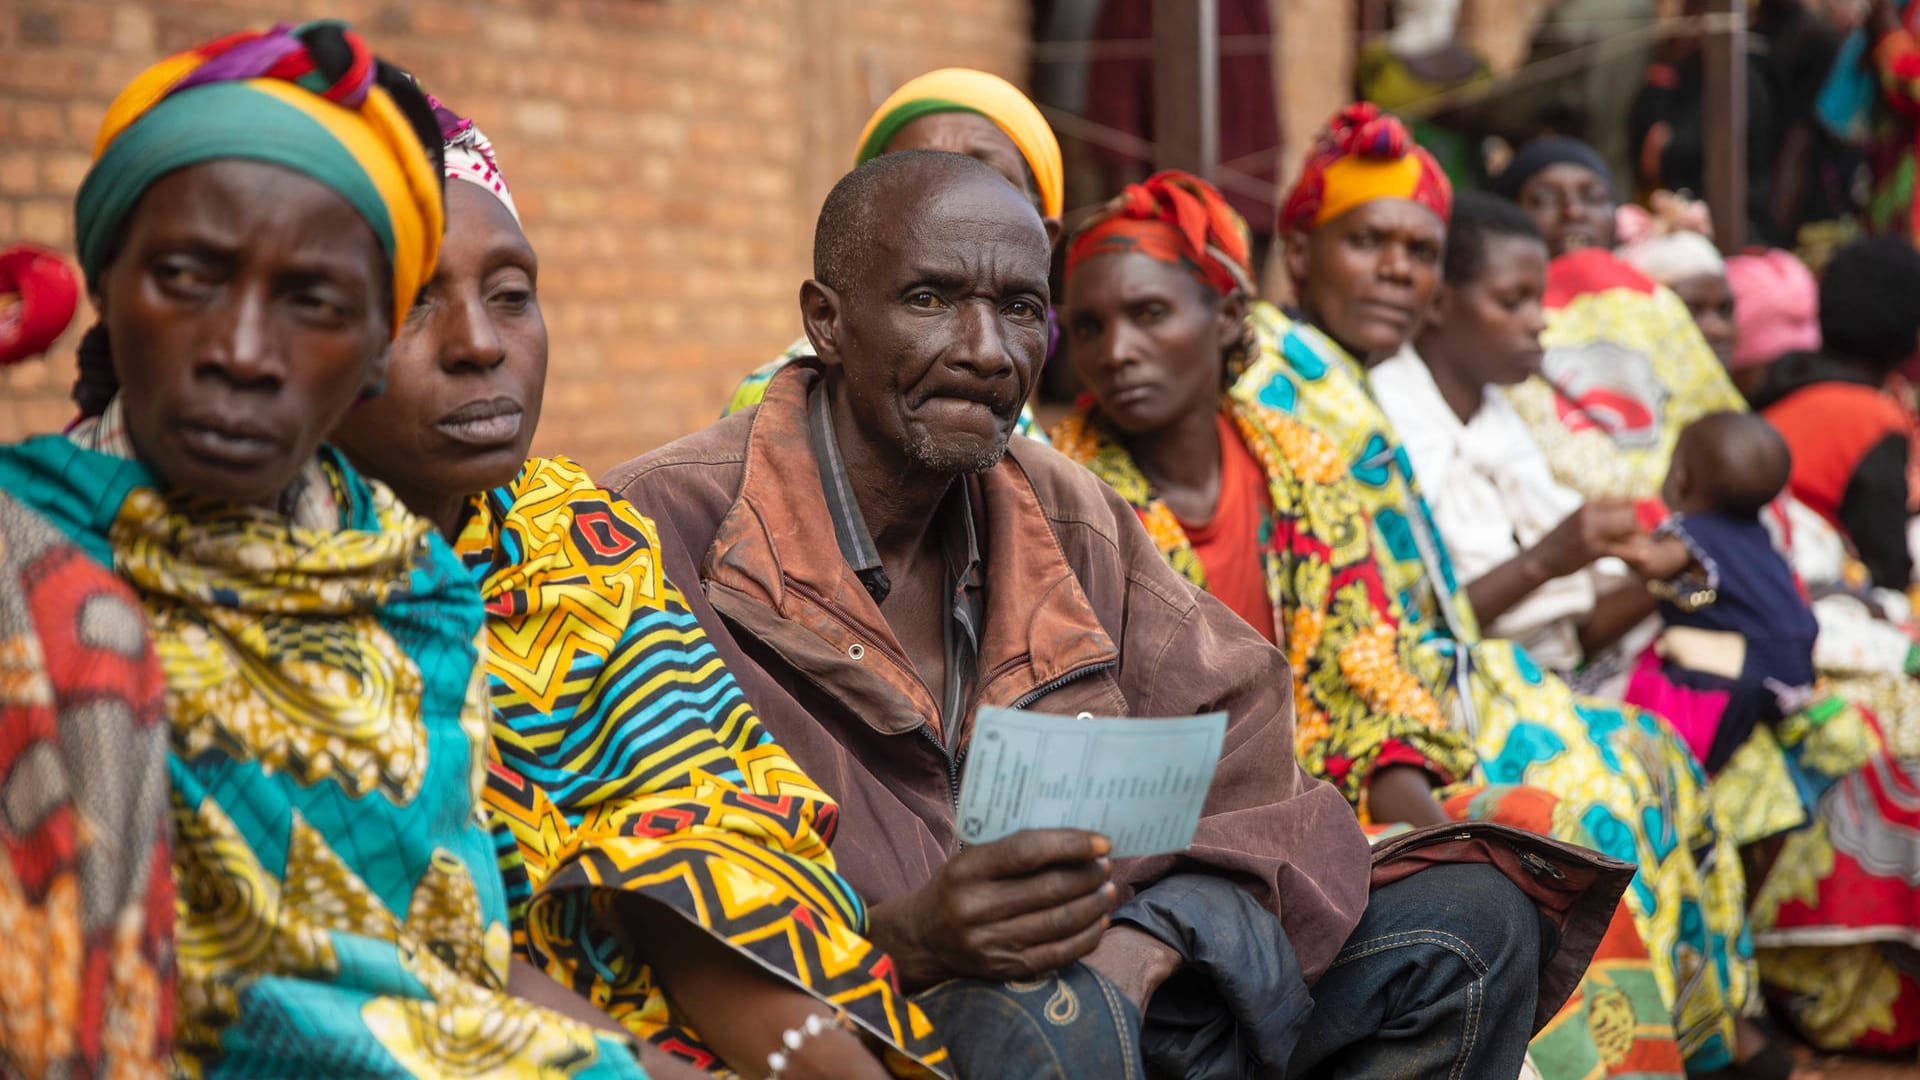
(1139, 782)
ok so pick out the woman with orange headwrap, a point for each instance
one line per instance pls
(1365, 228)
(258, 217)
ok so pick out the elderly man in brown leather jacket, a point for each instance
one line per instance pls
(881, 559)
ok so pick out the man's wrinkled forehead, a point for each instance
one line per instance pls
(971, 222)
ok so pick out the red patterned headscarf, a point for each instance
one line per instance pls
(1361, 155)
(1177, 218)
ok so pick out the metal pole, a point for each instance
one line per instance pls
(1186, 85)
(1726, 115)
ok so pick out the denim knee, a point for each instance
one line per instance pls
(1070, 1024)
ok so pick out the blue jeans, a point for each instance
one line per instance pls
(1438, 980)
(1069, 1025)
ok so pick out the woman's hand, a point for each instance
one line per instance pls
(1597, 530)
(739, 1010)
(831, 1055)
(1403, 793)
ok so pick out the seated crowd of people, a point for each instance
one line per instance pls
(1555, 594)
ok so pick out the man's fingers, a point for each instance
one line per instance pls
(1042, 959)
(1029, 850)
(982, 903)
(1060, 922)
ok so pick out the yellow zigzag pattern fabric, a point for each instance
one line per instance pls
(625, 760)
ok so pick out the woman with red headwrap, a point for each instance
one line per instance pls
(1365, 229)
(1257, 508)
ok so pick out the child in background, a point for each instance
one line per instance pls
(1737, 648)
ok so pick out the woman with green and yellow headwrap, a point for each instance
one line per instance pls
(260, 214)
(961, 111)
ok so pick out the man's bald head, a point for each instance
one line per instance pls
(927, 310)
(888, 190)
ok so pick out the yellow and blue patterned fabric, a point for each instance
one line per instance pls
(627, 763)
(339, 911)
(1619, 773)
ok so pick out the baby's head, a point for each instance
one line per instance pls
(1729, 462)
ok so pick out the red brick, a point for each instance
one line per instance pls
(133, 29)
(47, 221)
(668, 159)
(19, 172)
(39, 121)
(87, 25)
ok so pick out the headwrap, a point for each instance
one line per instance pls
(300, 97)
(967, 90)
(1542, 154)
(470, 155)
(1667, 212)
(1362, 155)
(1776, 304)
(37, 297)
(1675, 257)
(1174, 217)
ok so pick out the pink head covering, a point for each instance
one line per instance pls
(469, 155)
(1776, 303)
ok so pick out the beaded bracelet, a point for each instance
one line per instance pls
(794, 1038)
(1687, 591)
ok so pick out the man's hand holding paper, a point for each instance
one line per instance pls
(1141, 783)
(1021, 906)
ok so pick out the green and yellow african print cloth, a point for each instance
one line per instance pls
(339, 909)
(627, 763)
(1360, 703)
(1357, 705)
(1620, 773)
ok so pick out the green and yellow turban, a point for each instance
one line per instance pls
(309, 98)
(967, 90)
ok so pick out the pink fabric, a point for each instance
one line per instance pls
(1694, 714)
(1776, 303)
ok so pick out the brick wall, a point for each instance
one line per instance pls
(668, 157)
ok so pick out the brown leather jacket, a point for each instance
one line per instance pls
(1082, 614)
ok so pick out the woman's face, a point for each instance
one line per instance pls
(1571, 205)
(1148, 339)
(247, 309)
(1710, 300)
(464, 391)
(1492, 324)
(1368, 276)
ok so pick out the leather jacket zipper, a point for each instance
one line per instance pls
(1051, 685)
(954, 759)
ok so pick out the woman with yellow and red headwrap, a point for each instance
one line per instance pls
(260, 214)
(1365, 229)
(1257, 508)
(961, 111)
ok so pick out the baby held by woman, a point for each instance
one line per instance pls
(1737, 647)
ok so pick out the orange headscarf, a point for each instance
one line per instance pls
(1361, 155)
(1175, 217)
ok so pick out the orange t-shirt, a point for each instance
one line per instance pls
(1830, 426)
(1229, 545)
